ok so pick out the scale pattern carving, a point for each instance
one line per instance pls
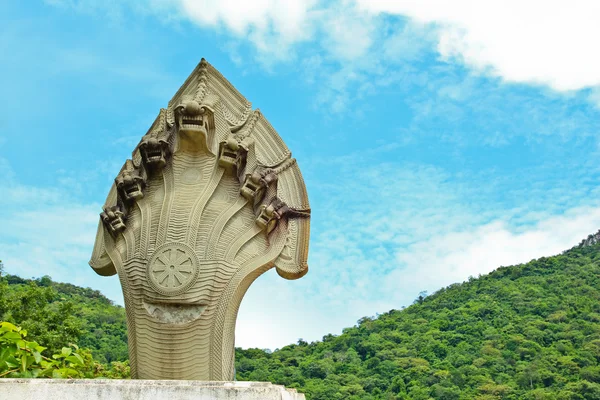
(209, 201)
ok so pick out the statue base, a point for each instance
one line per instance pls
(113, 389)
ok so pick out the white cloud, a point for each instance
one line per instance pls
(348, 282)
(347, 33)
(271, 25)
(275, 27)
(422, 229)
(548, 42)
(452, 257)
(362, 44)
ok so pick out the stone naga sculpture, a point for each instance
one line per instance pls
(209, 201)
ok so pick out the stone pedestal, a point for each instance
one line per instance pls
(109, 389)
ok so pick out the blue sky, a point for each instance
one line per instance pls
(436, 142)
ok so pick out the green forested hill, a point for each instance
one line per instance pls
(530, 331)
(56, 314)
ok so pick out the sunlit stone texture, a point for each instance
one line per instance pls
(114, 389)
(209, 201)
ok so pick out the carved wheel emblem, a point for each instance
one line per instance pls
(173, 269)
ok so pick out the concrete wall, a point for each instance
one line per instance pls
(109, 389)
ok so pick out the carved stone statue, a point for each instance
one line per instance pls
(209, 201)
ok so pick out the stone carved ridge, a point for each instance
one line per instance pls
(209, 201)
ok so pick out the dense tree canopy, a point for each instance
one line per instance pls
(56, 314)
(530, 331)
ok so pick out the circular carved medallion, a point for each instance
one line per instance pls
(173, 269)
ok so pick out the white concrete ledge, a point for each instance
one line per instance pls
(113, 389)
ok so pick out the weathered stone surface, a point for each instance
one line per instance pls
(104, 389)
(209, 201)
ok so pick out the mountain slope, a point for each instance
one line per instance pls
(55, 314)
(530, 331)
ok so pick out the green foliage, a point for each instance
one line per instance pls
(57, 313)
(530, 331)
(20, 358)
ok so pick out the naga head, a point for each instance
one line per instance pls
(233, 153)
(271, 214)
(154, 151)
(130, 183)
(192, 120)
(256, 184)
(113, 219)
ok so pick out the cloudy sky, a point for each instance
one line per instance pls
(437, 141)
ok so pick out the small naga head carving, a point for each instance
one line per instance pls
(256, 184)
(192, 120)
(113, 219)
(233, 152)
(130, 184)
(270, 214)
(154, 151)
